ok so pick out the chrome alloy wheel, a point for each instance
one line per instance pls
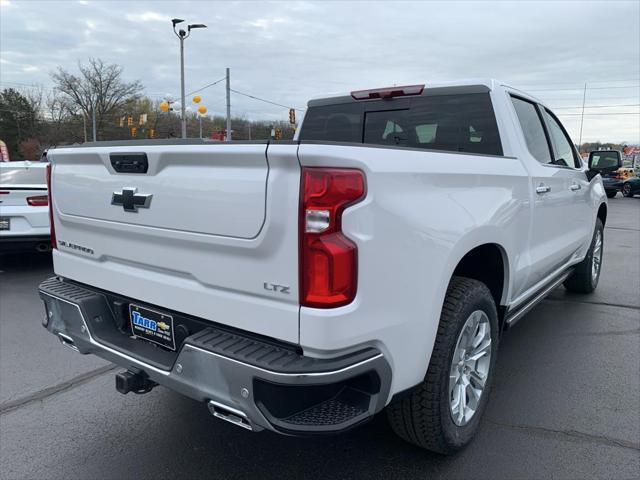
(596, 258)
(469, 367)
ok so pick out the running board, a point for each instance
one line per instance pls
(519, 312)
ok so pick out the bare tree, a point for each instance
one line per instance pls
(98, 87)
(63, 124)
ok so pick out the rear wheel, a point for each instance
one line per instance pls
(626, 190)
(443, 412)
(586, 274)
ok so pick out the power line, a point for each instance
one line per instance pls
(629, 97)
(580, 89)
(207, 86)
(599, 114)
(263, 100)
(582, 84)
(601, 106)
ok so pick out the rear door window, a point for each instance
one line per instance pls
(532, 129)
(387, 128)
(455, 123)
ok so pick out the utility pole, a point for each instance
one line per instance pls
(93, 119)
(228, 136)
(584, 97)
(84, 126)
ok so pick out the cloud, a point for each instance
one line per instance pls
(288, 52)
(266, 23)
(147, 16)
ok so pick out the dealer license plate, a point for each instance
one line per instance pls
(153, 326)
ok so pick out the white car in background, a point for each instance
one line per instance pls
(24, 207)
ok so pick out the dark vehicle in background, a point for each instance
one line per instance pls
(631, 187)
(607, 163)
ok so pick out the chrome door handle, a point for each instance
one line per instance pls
(543, 189)
(575, 187)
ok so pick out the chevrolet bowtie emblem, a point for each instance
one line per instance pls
(130, 200)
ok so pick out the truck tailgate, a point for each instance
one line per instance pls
(207, 230)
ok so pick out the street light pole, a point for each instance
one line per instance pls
(182, 36)
(182, 99)
(228, 136)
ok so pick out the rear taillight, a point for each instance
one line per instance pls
(38, 201)
(52, 227)
(328, 259)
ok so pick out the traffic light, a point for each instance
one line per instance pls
(134, 132)
(292, 116)
(278, 135)
(152, 133)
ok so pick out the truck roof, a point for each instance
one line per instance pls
(459, 86)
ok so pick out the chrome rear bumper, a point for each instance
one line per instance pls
(254, 383)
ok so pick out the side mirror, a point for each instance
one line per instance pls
(605, 160)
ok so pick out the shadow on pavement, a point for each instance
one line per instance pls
(14, 262)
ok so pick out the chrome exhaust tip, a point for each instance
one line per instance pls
(67, 342)
(43, 247)
(229, 414)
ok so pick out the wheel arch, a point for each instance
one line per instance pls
(602, 213)
(474, 263)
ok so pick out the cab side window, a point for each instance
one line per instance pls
(563, 151)
(532, 129)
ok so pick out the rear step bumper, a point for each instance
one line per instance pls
(250, 382)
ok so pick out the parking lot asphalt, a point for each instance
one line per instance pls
(565, 403)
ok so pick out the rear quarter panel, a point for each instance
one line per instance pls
(423, 212)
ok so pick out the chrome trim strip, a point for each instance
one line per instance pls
(281, 374)
(524, 297)
(247, 365)
(536, 299)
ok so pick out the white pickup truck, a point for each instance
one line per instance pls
(304, 286)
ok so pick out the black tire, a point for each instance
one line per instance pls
(423, 416)
(611, 193)
(581, 280)
(626, 190)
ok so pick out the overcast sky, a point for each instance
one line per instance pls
(289, 51)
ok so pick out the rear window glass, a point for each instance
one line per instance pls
(333, 123)
(457, 123)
